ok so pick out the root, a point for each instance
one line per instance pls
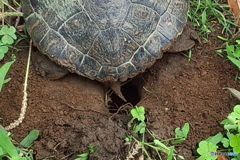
(24, 102)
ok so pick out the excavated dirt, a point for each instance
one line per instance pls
(70, 113)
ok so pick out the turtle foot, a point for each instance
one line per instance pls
(116, 88)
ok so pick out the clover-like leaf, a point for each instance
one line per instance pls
(205, 149)
(3, 50)
(225, 142)
(3, 30)
(11, 30)
(235, 143)
(182, 132)
(138, 113)
(7, 39)
(141, 127)
(8, 30)
(237, 109)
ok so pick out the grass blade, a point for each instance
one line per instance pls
(30, 138)
(170, 153)
(3, 71)
(6, 144)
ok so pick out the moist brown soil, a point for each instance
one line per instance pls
(70, 113)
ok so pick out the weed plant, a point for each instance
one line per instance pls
(21, 152)
(204, 13)
(229, 142)
(138, 126)
(7, 39)
(232, 51)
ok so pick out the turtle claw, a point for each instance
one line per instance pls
(116, 88)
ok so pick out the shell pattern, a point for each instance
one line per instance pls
(106, 40)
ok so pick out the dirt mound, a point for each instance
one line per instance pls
(71, 115)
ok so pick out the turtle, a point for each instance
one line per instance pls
(105, 40)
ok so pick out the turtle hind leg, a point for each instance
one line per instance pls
(116, 88)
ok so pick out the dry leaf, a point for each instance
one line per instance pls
(234, 92)
(221, 158)
(235, 8)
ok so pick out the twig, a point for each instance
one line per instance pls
(24, 102)
(2, 12)
(10, 6)
(120, 108)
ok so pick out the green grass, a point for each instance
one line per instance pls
(91, 149)
(7, 38)
(205, 13)
(227, 142)
(231, 50)
(8, 148)
(157, 145)
(20, 152)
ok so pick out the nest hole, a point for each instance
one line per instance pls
(131, 91)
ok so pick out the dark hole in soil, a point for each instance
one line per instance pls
(130, 91)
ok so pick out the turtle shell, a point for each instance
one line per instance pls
(106, 40)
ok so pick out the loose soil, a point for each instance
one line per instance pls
(70, 113)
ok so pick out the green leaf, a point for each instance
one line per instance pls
(3, 30)
(6, 39)
(225, 121)
(170, 153)
(237, 52)
(83, 156)
(3, 50)
(222, 38)
(1, 152)
(30, 138)
(181, 133)
(230, 50)
(3, 71)
(162, 146)
(238, 41)
(6, 80)
(7, 145)
(215, 139)
(11, 30)
(205, 149)
(236, 158)
(204, 17)
(235, 143)
(138, 113)
(141, 127)
(230, 127)
(237, 110)
(234, 61)
(229, 135)
(92, 149)
(225, 142)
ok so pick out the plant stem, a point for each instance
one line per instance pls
(4, 3)
(2, 12)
